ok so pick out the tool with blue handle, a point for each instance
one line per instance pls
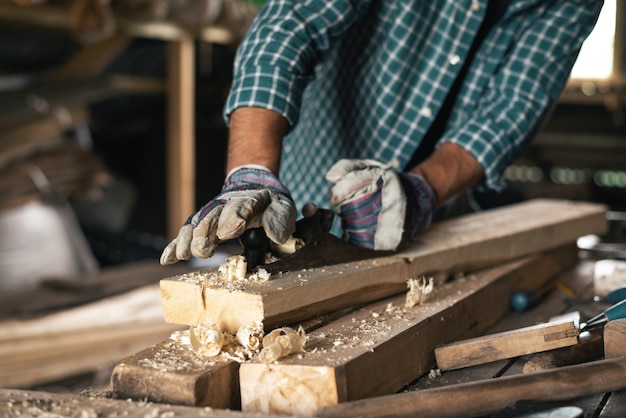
(616, 311)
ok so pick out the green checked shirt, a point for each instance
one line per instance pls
(366, 78)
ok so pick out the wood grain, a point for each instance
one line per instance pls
(508, 344)
(615, 338)
(463, 244)
(171, 372)
(384, 346)
(560, 384)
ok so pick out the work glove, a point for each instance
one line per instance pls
(379, 208)
(250, 198)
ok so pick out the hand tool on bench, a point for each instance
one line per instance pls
(321, 248)
(616, 311)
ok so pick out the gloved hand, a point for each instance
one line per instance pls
(379, 207)
(251, 197)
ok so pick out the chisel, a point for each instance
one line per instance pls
(616, 311)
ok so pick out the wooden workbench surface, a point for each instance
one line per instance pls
(578, 280)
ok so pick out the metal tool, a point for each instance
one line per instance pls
(321, 248)
(616, 311)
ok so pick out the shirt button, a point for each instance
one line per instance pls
(454, 59)
(426, 111)
(475, 5)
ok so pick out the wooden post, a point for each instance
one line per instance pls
(181, 133)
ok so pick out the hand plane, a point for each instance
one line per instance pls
(321, 248)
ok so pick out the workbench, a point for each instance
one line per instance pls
(574, 284)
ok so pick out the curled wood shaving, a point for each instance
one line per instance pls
(281, 342)
(288, 247)
(419, 289)
(206, 339)
(250, 336)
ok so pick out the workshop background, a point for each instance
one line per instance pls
(111, 129)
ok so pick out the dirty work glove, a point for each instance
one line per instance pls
(251, 197)
(379, 207)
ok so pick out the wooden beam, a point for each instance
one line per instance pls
(181, 133)
(590, 347)
(171, 372)
(462, 244)
(508, 344)
(382, 347)
(615, 338)
(485, 397)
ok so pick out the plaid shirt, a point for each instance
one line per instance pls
(366, 78)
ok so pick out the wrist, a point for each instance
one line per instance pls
(450, 170)
(255, 137)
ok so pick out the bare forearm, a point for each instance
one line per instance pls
(450, 170)
(255, 137)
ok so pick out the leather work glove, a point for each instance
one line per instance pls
(251, 197)
(379, 207)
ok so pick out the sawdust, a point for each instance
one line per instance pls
(33, 405)
(231, 275)
(176, 355)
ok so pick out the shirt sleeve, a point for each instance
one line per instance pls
(276, 58)
(524, 91)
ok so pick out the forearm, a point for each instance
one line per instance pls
(255, 137)
(450, 170)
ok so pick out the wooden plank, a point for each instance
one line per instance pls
(573, 283)
(384, 346)
(457, 245)
(53, 295)
(615, 338)
(23, 403)
(461, 400)
(81, 339)
(171, 372)
(508, 344)
(30, 362)
(589, 347)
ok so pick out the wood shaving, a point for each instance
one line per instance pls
(250, 336)
(288, 247)
(231, 274)
(419, 290)
(234, 268)
(282, 342)
(434, 373)
(206, 340)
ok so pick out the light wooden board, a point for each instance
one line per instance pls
(82, 339)
(508, 344)
(382, 347)
(460, 244)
